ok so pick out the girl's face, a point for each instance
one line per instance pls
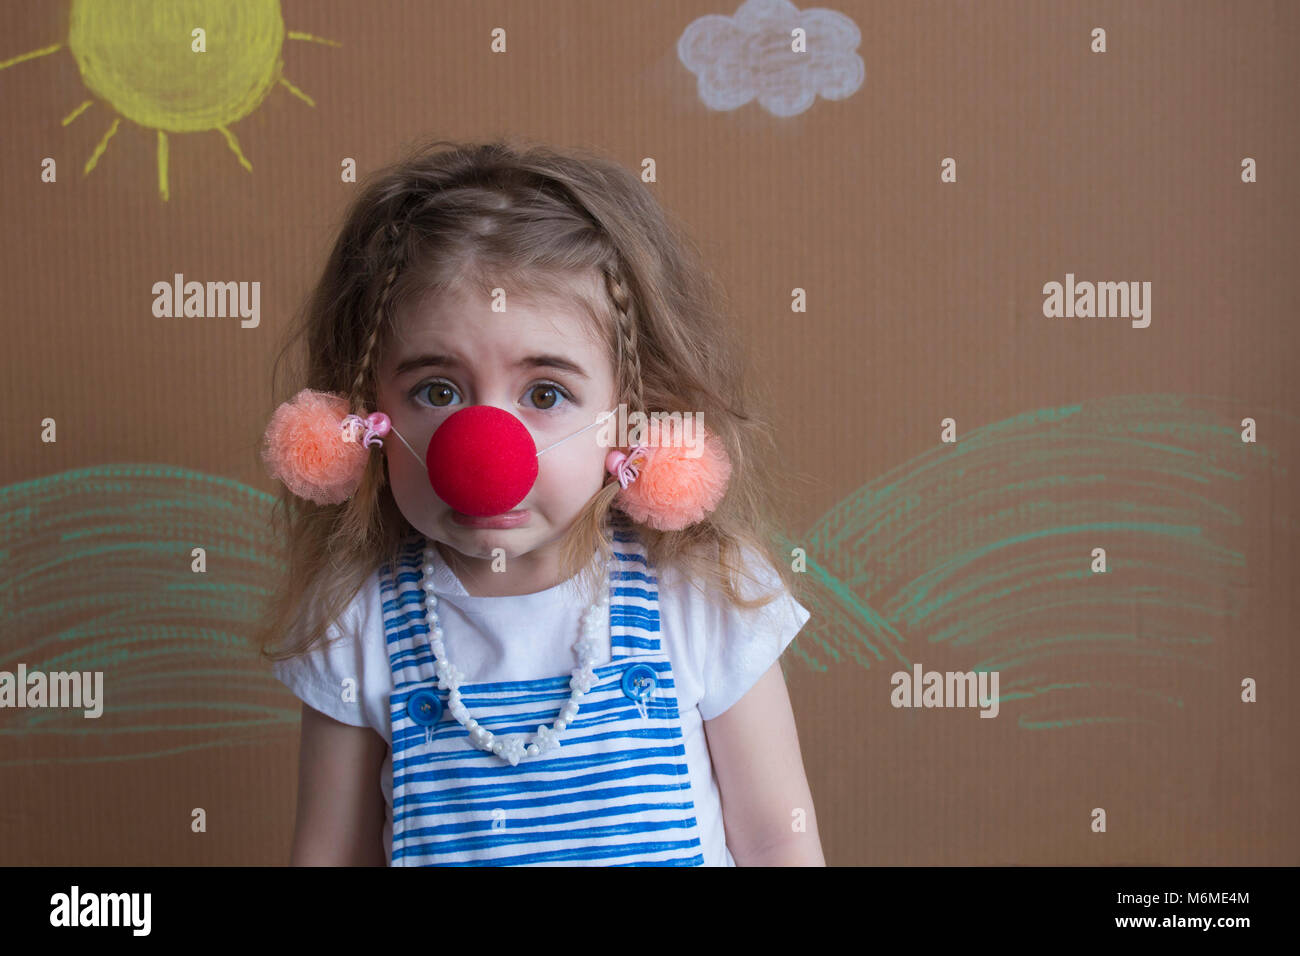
(539, 361)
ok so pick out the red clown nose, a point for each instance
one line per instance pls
(482, 461)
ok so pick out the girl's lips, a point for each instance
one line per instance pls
(511, 519)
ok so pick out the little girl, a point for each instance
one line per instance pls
(547, 629)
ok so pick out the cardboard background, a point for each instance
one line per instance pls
(924, 303)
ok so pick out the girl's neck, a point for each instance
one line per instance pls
(529, 573)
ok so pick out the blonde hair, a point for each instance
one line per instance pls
(533, 219)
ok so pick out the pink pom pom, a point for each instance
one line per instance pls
(305, 448)
(673, 490)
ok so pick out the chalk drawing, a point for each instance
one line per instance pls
(971, 556)
(752, 56)
(976, 555)
(137, 58)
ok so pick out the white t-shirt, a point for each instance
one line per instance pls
(717, 651)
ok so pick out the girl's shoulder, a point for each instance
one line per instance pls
(727, 646)
(360, 616)
(753, 574)
(706, 612)
(336, 674)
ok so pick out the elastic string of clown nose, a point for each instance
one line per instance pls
(600, 419)
(578, 432)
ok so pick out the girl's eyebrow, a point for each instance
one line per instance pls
(416, 362)
(551, 361)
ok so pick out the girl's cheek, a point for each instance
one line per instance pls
(581, 469)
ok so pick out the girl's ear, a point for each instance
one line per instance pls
(670, 490)
(317, 449)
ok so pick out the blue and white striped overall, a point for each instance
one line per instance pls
(617, 792)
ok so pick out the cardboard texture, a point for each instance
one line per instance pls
(958, 455)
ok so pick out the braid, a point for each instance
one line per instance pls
(629, 351)
(367, 354)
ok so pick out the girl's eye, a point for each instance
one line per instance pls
(548, 395)
(440, 393)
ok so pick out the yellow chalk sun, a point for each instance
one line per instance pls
(140, 58)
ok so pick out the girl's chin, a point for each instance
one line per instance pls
(509, 521)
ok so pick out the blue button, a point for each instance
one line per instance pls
(639, 682)
(424, 708)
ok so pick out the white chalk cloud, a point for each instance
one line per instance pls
(749, 56)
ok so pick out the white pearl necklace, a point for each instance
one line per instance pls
(514, 748)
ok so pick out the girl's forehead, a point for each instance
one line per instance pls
(472, 334)
(518, 320)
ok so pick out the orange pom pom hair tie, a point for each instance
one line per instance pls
(668, 489)
(482, 461)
